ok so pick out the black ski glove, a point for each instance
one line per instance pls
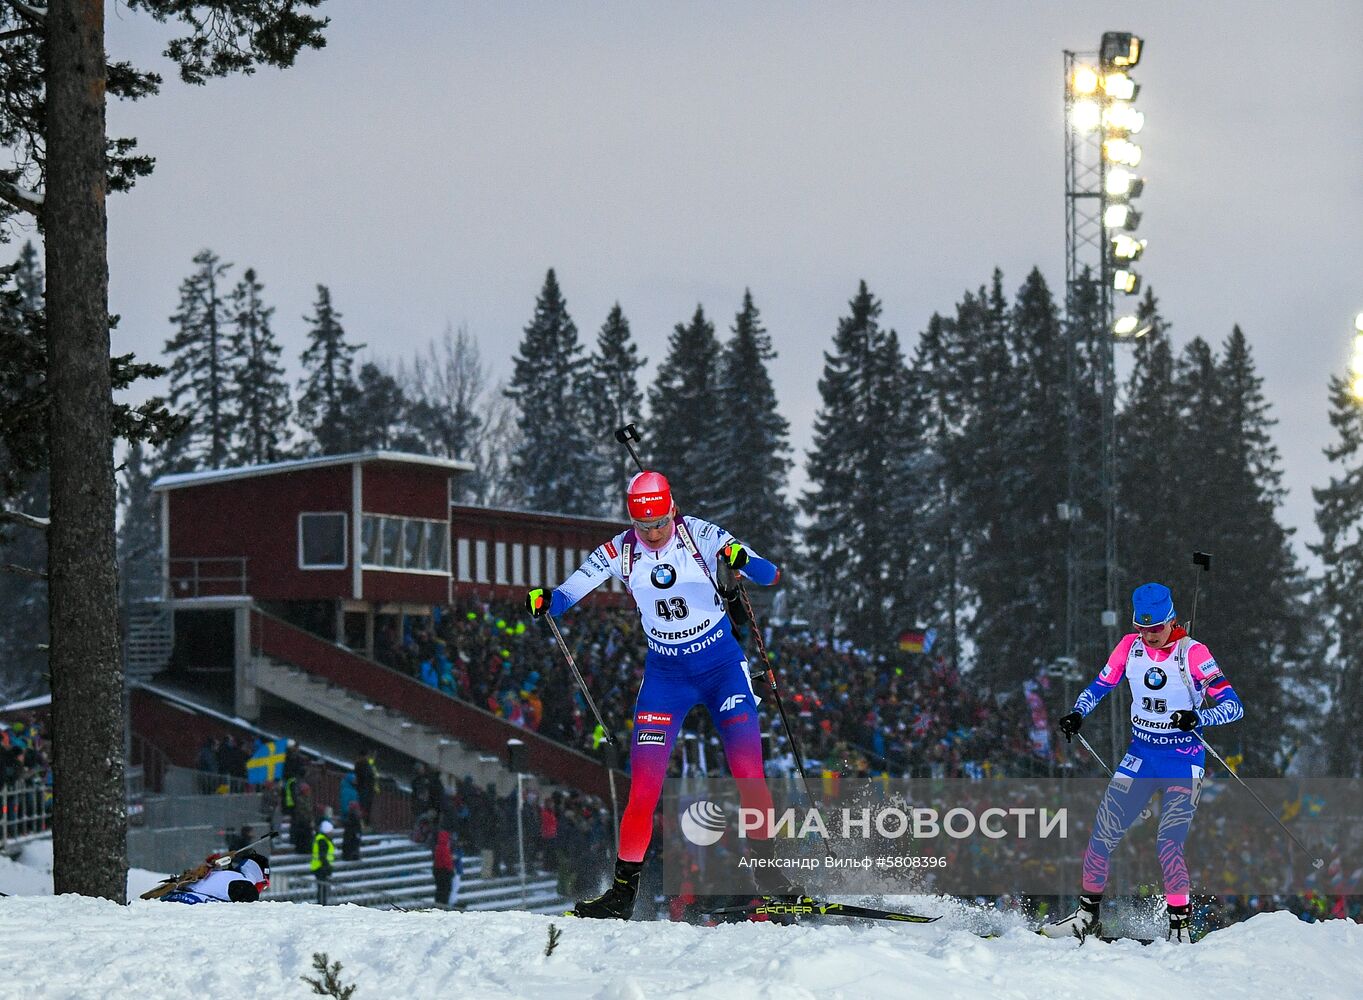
(1070, 725)
(1184, 719)
(537, 602)
(735, 555)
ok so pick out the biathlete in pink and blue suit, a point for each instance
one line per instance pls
(1172, 678)
(668, 564)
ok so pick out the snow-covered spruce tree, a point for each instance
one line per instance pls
(615, 400)
(328, 380)
(377, 413)
(1339, 516)
(1010, 497)
(1151, 500)
(57, 78)
(556, 467)
(937, 563)
(685, 415)
(258, 396)
(1251, 605)
(853, 471)
(752, 464)
(200, 371)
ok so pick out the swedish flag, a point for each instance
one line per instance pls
(267, 763)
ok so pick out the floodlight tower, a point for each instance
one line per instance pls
(1101, 183)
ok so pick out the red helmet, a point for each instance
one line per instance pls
(649, 497)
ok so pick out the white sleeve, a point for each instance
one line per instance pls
(601, 565)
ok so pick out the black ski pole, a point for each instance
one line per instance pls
(1203, 560)
(577, 675)
(628, 435)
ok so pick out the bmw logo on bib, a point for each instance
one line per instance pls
(663, 576)
(1155, 678)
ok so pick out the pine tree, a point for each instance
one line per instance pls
(1339, 516)
(200, 371)
(685, 422)
(753, 464)
(377, 414)
(615, 400)
(1151, 425)
(328, 364)
(1019, 577)
(139, 530)
(1251, 603)
(258, 395)
(854, 576)
(555, 469)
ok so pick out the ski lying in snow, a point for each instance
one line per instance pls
(808, 907)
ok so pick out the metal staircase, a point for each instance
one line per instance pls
(394, 873)
(148, 638)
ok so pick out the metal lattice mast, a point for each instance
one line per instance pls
(1099, 122)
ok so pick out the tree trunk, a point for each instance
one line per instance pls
(89, 799)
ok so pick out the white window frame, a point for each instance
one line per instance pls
(464, 553)
(400, 553)
(345, 540)
(517, 564)
(480, 561)
(534, 568)
(499, 563)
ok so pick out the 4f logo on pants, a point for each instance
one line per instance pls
(732, 702)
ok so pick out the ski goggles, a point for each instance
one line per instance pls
(654, 525)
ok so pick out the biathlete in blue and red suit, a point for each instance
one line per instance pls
(667, 563)
(1176, 689)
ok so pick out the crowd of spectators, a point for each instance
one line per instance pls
(853, 712)
(25, 776)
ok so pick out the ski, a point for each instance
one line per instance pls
(807, 906)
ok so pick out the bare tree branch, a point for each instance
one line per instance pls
(18, 33)
(32, 574)
(28, 520)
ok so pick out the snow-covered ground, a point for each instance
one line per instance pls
(71, 947)
(31, 873)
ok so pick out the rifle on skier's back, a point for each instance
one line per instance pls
(219, 862)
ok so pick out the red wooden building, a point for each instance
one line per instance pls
(297, 564)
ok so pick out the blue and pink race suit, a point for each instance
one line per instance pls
(1179, 675)
(693, 658)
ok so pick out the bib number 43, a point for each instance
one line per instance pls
(671, 609)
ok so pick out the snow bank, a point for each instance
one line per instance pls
(30, 874)
(70, 947)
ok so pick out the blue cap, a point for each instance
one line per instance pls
(1151, 604)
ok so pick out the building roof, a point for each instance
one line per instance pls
(253, 471)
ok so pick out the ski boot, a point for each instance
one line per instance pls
(1081, 923)
(617, 902)
(1180, 924)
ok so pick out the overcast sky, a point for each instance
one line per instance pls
(436, 158)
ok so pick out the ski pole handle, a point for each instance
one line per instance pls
(628, 436)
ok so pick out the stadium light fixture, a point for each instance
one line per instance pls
(1119, 48)
(1123, 184)
(1122, 151)
(1125, 326)
(1127, 248)
(1085, 116)
(1120, 116)
(1121, 216)
(1084, 81)
(1358, 323)
(1120, 87)
(1127, 282)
